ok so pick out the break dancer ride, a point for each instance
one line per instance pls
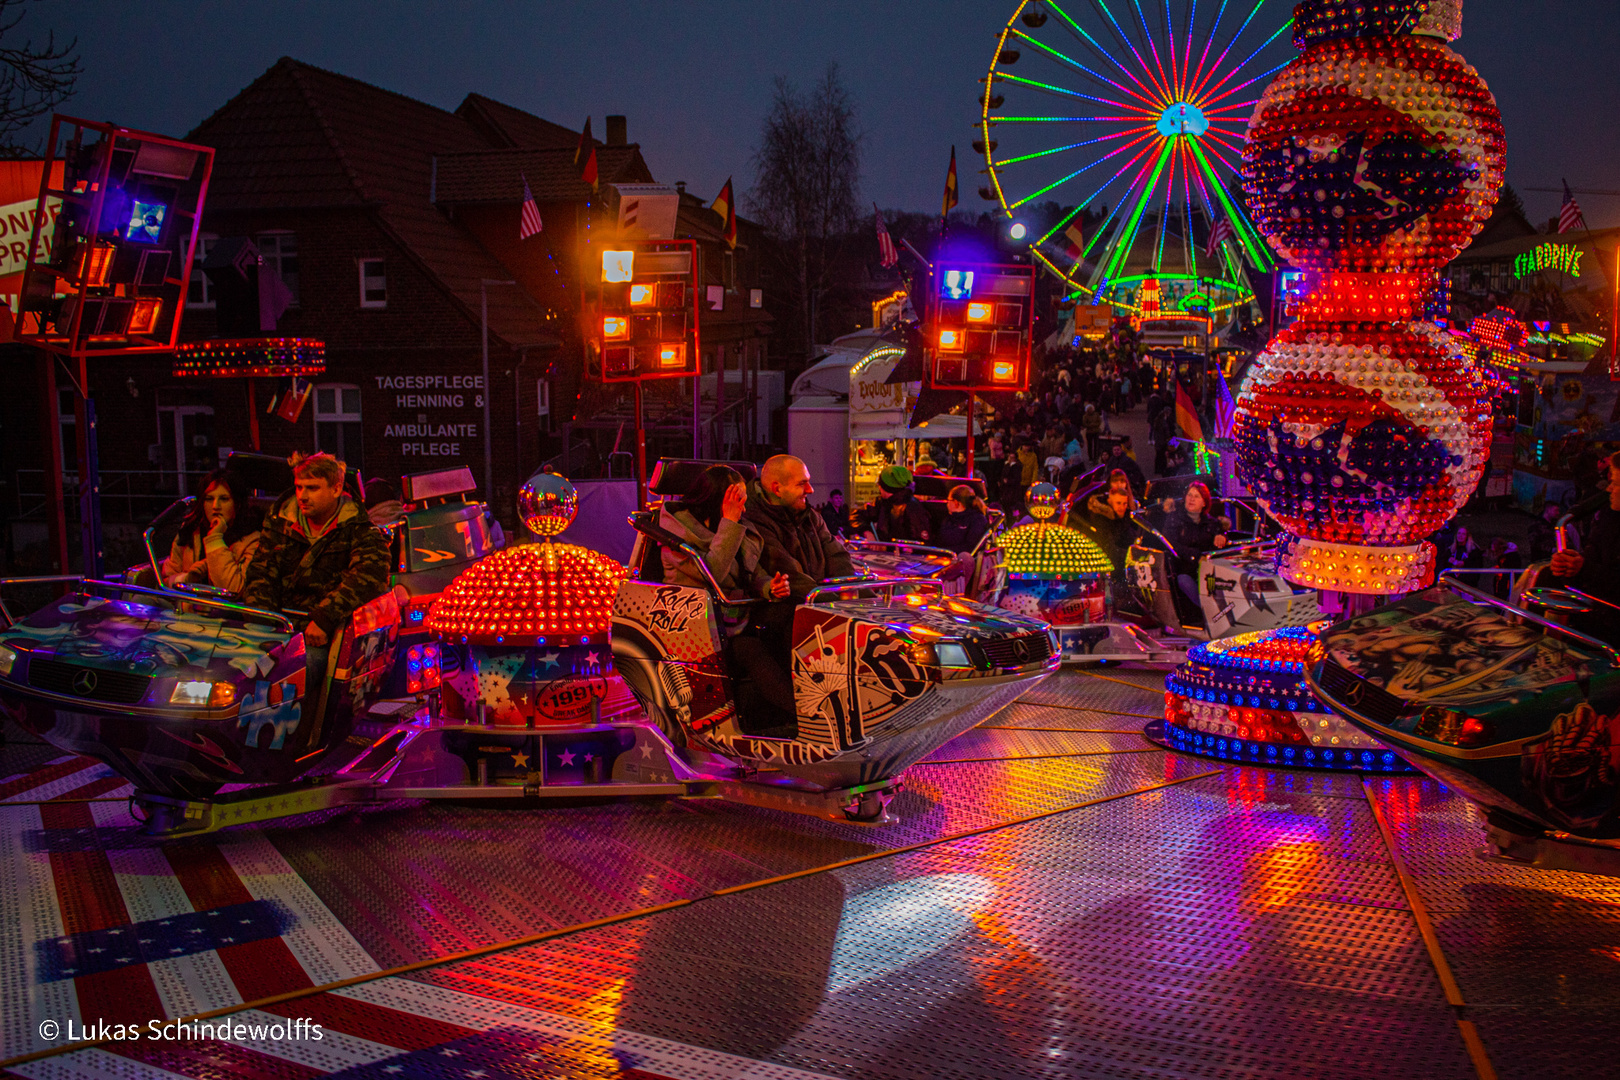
(1370, 162)
(201, 704)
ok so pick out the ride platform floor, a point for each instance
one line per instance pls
(1057, 897)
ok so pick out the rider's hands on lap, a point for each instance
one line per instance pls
(1220, 541)
(1168, 505)
(1567, 563)
(735, 501)
(314, 635)
(778, 588)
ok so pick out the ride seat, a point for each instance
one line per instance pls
(675, 476)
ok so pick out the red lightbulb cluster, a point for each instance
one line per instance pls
(534, 594)
(1371, 160)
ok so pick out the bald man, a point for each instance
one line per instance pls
(797, 541)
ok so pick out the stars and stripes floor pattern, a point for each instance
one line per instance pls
(99, 925)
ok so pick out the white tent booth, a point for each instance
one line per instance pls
(846, 421)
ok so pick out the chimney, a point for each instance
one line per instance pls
(680, 186)
(617, 133)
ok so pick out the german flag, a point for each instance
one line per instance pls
(589, 173)
(950, 187)
(1187, 416)
(726, 206)
(583, 145)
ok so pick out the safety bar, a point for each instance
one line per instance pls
(151, 530)
(871, 584)
(903, 546)
(1584, 595)
(279, 619)
(1556, 627)
(1168, 546)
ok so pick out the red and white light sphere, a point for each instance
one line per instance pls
(1370, 161)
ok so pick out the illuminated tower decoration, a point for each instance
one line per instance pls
(1370, 162)
(535, 620)
(1053, 572)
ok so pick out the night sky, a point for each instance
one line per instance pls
(694, 76)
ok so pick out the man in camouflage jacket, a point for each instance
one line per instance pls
(319, 553)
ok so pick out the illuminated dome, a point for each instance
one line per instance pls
(1245, 699)
(1052, 552)
(536, 594)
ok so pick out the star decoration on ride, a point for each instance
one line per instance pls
(566, 757)
(520, 759)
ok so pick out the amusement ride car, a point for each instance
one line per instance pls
(184, 694)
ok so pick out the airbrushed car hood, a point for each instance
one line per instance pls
(941, 617)
(126, 635)
(1455, 653)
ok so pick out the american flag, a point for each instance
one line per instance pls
(1221, 231)
(885, 244)
(1570, 217)
(531, 213)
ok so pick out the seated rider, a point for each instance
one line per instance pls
(1107, 518)
(319, 554)
(218, 537)
(1195, 533)
(898, 516)
(1595, 569)
(966, 520)
(709, 517)
(797, 544)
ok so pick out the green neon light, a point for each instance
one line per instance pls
(1122, 252)
(1549, 256)
(1258, 252)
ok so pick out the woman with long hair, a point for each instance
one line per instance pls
(217, 538)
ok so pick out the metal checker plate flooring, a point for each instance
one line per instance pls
(1057, 897)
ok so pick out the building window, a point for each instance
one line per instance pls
(373, 284)
(200, 293)
(542, 394)
(279, 252)
(337, 422)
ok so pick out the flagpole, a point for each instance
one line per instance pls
(1614, 320)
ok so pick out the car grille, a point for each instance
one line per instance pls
(1360, 696)
(70, 680)
(1018, 651)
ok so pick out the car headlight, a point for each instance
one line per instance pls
(215, 695)
(952, 654)
(1451, 727)
(8, 657)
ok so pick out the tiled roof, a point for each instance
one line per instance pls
(502, 125)
(498, 175)
(300, 136)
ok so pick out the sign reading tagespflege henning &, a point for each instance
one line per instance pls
(19, 201)
(433, 416)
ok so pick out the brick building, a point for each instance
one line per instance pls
(384, 216)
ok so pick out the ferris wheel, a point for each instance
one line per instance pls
(1136, 113)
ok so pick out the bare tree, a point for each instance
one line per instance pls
(807, 181)
(34, 79)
